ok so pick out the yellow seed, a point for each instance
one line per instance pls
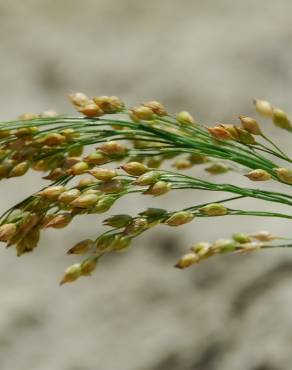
(88, 266)
(19, 170)
(264, 236)
(103, 174)
(185, 118)
(52, 192)
(91, 110)
(156, 107)
(220, 133)
(251, 125)
(214, 209)
(284, 174)
(179, 218)
(72, 273)
(159, 188)
(183, 164)
(187, 260)
(143, 113)
(59, 221)
(264, 108)
(258, 175)
(68, 196)
(147, 178)
(7, 231)
(79, 99)
(52, 139)
(85, 201)
(97, 158)
(281, 120)
(109, 104)
(135, 168)
(113, 147)
(78, 168)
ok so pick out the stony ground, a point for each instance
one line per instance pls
(137, 312)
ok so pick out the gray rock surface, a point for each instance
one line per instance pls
(137, 312)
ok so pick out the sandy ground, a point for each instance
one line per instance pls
(137, 312)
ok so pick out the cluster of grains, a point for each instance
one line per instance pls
(111, 150)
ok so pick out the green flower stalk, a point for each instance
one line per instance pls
(132, 151)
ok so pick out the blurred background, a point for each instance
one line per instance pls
(137, 312)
